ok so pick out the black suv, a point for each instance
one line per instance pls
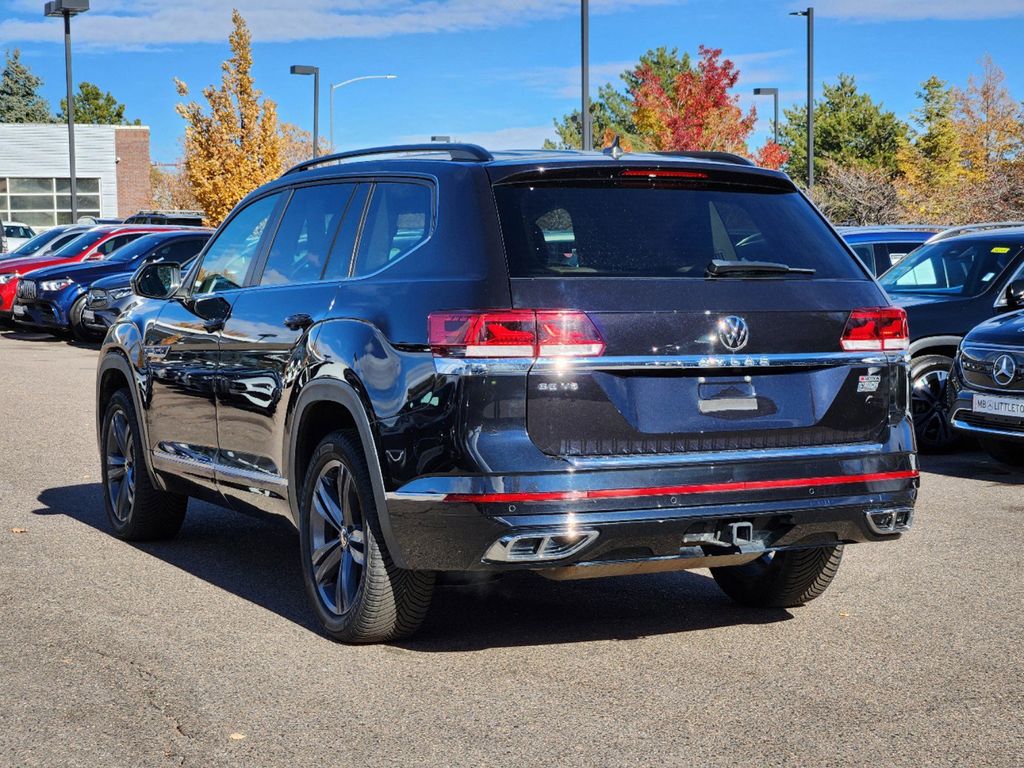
(434, 359)
(948, 286)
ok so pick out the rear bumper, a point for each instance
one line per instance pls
(649, 514)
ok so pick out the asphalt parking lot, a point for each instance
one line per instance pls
(201, 651)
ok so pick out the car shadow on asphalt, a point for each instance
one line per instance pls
(256, 558)
(19, 334)
(971, 465)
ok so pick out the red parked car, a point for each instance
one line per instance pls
(92, 245)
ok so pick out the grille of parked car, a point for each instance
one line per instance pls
(26, 289)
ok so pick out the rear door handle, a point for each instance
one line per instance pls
(299, 322)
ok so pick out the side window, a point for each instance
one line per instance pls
(181, 251)
(229, 257)
(303, 238)
(866, 253)
(345, 243)
(397, 221)
(114, 243)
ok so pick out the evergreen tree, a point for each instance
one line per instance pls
(94, 107)
(850, 129)
(20, 101)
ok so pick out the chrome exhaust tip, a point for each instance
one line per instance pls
(889, 521)
(538, 547)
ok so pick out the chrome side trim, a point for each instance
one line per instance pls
(672, 459)
(172, 463)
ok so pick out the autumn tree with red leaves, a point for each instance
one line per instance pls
(696, 111)
(670, 104)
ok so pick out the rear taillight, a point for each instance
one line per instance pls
(514, 333)
(876, 329)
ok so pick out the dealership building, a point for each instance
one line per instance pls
(112, 168)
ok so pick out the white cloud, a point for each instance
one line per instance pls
(523, 137)
(152, 22)
(918, 10)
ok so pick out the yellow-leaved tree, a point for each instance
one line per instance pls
(235, 147)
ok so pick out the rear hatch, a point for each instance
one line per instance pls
(749, 357)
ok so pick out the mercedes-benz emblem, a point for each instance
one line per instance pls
(1003, 370)
(733, 333)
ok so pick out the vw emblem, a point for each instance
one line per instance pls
(1003, 370)
(733, 333)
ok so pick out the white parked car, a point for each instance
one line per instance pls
(15, 234)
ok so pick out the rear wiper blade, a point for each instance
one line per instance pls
(724, 268)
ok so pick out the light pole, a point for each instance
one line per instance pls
(586, 128)
(809, 13)
(347, 82)
(774, 93)
(302, 69)
(66, 9)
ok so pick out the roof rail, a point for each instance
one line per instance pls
(468, 152)
(967, 229)
(719, 157)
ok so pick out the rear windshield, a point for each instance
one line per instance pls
(960, 266)
(626, 230)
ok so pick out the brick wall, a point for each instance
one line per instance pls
(134, 183)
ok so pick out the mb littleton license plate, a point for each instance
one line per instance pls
(999, 406)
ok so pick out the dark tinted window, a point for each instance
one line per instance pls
(304, 236)
(137, 249)
(230, 255)
(398, 220)
(957, 266)
(16, 231)
(340, 263)
(40, 241)
(603, 229)
(895, 253)
(181, 251)
(866, 252)
(79, 243)
(114, 243)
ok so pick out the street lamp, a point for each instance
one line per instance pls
(809, 13)
(66, 9)
(586, 127)
(347, 82)
(302, 69)
(774, 93)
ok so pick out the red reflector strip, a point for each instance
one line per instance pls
(659, 174)
(679, 490)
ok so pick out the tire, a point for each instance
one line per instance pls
(928, 377)
(136, 509)
(1008, 452)
(358, 594)
(78, 330)
(782, 579)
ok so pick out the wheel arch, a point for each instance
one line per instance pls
(115, 372)
(935, 345)
(324, 406)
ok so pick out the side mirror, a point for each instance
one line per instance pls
(157, 281)
(1015, 294)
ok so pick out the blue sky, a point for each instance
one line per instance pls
(498, 71)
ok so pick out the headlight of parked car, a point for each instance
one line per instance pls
(119, 293)
(55, 285)
(5, 279)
